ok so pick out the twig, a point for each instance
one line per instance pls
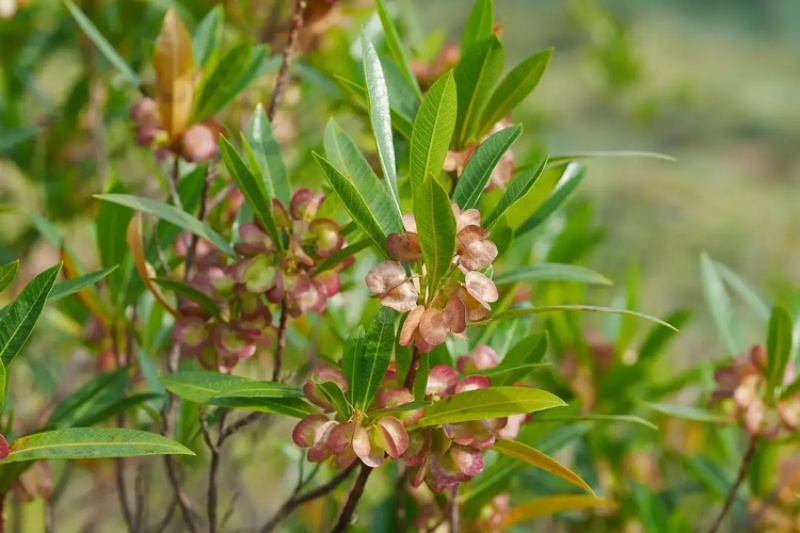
(119, 464)
(282, 321)
(221, 196)
(283, 74)
(213, 470)
(412, 370)
(139, 499)
(743, 470)
(296, 500)
(191, 252)
(352, 501)
(242, 423)
(162, 525)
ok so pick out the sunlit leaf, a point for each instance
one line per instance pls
(551, 272)
(479, 24)
(476, 75)
(433, 129)
(395, 46)
(532, 456)
(548, 505)
(200, 387)
(436, 227)
(174, 74)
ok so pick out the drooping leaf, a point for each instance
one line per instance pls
(7, 274)
(207, 36)
(102, 44)
(719, 304)
(517, 190)
(170, 214)
(480, 166)
(190, 293)
(71, 286)
(548, 505)
(355, 203)
(380, 117)
(143, 268)
(342, 152)
(779, 348)
(433, 130)
(564, 159)
(515, 87)
(572, 177)
(436, 227)
(516, 313)
(395, 47)
(253, 190)
(293, 407)
(268, 156)
(749, 294)
(91, 443)
(688, 412)
(480, 404)
(337, 399)
(232, 74)
(369, 364)
(102, 389)
(174, 74)
(479, 24)
(532, 456)
(16, 324)
(475, 77)
(200, 387)
(551, 272)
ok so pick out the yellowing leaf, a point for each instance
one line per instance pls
(532, 456)
(145, 269)
(174, 73)
(550, 505)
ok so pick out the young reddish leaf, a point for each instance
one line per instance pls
(174, 74)
(145, 270)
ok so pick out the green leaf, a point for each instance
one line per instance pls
(551, 272)
(791, 389)
(232, 74)
(779, 349)
(757, 302)
(719, 304)
(336, 258)
(111, 229)
(207, 36)
(3, 387)
(369, 359)
(20, 317)
(100, 390)
(337, 399)
(269, 161)
(433, 130)
(107, 411)
(200, 387)
(476, 75)
(534, 457)
(687, 412)
(353, 347)
(293, 407)
(91, 443)
(516, 313)
(571, 419)
(401, 120)
(548, 505)
(7, 274)
(71, 286)
(515, 87)
(342, 152)
(517, 190)
(480, 404)
(102, 44)
(172, 215)
(355, 203)
(529, 350)
(564, 159)
(380, 117)
(253, 190)
(12, 137)
(190, 293)
(659, 336)
(480, 166)
(436, 227)
(572, 177)
(395, 47)
(479, 24)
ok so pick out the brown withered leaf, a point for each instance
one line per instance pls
(174, 75)
(145, 269)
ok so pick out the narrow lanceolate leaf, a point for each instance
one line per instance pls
(534, 457)
(233, 74)
(516, 313)
(342, 152)
(548, 505)
(370, 363)
(751, 296)
(71, 286)
(3, 386)
(20, 317)
(293, 407)
(102, 44)
(395, 46)
(566, 158)
(475, 76)
(479, 168)
(523, 358)
(380, 117)
(687, 412)
(515, 87)
(200, 387)
(172, 215)
(91, 443)
(268, 156)
(207, 36)
(174, 74)
(572, 177)
(351, 359)
(480, 404)
(355, 203)
(627, 419)
(337, 399)
(111, 226)
(779, 348)
(100, 389)
(517, 190)
(433, 130)
(660, 336)
(401, 120)
(551, 272)
(7, 274)
(253, 190)
(719, 304)
(190, 293)
(335, 259)
(436, 228)
(479, 24)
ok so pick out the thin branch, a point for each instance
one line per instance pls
(296, 500)
(352, 501)
(743, 470)
(139, 499)
(283, 320)
(192, 251)
(412, 370)
(283, 74)
(162, 525)
(213, 470)
(119, 464)
(242, 423)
